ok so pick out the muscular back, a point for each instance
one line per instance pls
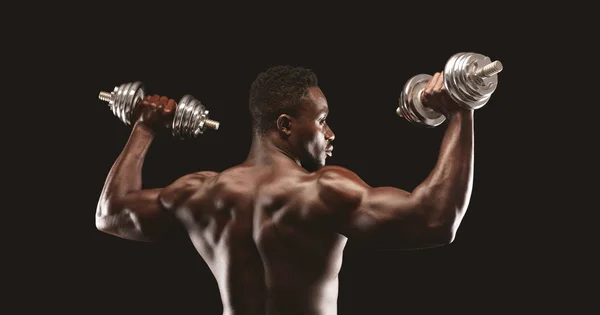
(267, 237)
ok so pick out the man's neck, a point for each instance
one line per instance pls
(267, 150)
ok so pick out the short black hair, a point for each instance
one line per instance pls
(278, 90)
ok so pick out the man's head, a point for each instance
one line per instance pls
(287, 101)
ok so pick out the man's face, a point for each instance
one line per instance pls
(311, 136)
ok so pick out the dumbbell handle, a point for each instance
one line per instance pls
(209, 123)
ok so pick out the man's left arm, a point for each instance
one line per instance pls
(124, 209)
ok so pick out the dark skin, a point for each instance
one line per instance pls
(272, 229)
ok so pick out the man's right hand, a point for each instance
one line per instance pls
(436, 97)
(156, 112)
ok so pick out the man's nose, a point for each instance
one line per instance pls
(329, 135)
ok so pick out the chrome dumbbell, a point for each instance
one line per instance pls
(190, 118)
(469, 78)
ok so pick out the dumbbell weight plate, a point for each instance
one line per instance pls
(137, 95)
(189, 117)
(405, 109)
(467, 90)
(410, 99)
(122, 102)
(198, 117)
(126, 99)
(179, 115)
(116, 102)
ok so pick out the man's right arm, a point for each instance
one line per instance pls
(393, 218)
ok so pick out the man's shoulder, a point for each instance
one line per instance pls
(194, 178)
(183, 186)
(335, 173)
(338, 185)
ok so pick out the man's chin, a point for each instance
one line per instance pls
(321, 163)
(314, 165)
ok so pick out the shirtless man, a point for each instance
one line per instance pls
(273, 229)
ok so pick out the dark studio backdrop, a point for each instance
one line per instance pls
(493, 265)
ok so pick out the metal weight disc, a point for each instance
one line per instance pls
(125, 99)
(178, 117)
(412, 107)
(188, 120)
(135, 95)
(455, 79)
(116, 100)
(405, 109)
(186, 123)
(198, 120)
(120, 101)
(111, 102)
(465, 88)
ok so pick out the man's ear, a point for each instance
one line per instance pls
(284, 124)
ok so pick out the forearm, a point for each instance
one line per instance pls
(447, 190)
(125, 176)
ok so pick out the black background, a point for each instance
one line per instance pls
(503, 259)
